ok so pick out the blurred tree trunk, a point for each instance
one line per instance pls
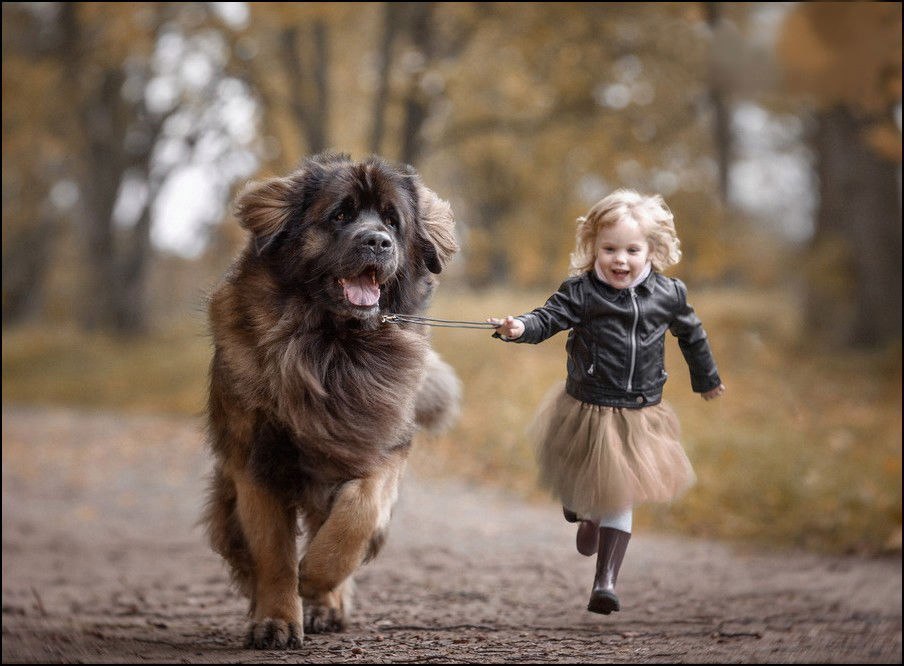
(308, 95)
(413, 21)
(132, 307)
(115, 298)
(417, 101)
(25, 266)
(392, 17)
(103, 122)
(722, 138)
(30, 222)
(855, 287)
(847, 58)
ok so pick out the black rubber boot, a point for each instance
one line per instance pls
(612, 546)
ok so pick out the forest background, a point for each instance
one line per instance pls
(773, 130)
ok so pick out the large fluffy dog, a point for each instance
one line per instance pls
(313, 399)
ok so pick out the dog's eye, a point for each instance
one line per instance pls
(342, 216)
(391, 219)
(344, 212)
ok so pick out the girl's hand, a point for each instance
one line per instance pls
(509, 328)
(714, 393)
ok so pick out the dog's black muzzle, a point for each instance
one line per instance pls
(377, 244)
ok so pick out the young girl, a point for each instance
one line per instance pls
(605, 441)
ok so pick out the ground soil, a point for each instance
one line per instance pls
(103, 563)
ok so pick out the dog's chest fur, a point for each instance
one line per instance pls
(342, 397)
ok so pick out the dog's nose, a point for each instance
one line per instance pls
(377, 242)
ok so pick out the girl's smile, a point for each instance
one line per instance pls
(622, 253)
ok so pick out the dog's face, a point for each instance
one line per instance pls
(356, 237)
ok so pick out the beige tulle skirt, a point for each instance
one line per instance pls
(597, 460)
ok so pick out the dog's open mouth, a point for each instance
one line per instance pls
(362, 290)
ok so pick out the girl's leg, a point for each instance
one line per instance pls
(619, 520)
(614, 534)
(587, 540)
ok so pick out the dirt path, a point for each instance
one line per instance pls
(102, 563)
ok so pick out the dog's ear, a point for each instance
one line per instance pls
(436, 228)
(263, 208)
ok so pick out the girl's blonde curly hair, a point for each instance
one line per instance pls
(650, 212)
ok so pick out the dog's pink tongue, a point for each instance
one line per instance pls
(362, 290)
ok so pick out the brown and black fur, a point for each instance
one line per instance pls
(313, 400)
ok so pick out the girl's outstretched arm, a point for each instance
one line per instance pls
(562, 311)
(509, 328)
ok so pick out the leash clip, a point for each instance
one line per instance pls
(394, 318)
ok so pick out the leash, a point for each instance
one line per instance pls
(428, 321)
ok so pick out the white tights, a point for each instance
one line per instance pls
(619, 520)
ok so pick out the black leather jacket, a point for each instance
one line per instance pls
(616, 345)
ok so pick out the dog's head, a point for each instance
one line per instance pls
(356, 237)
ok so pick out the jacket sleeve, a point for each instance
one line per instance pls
(562, 311)
(692, 340)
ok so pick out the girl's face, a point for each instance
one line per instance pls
(622, 252)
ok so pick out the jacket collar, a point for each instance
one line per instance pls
(610, 293)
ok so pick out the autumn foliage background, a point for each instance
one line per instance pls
(772, 130)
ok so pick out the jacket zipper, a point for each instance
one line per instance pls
(633, 337)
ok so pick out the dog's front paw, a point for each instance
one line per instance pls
(328, 611)
(270, 634)
(321, 618)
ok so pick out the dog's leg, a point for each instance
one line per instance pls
(352, 534)
(327, 611)
(269, 528)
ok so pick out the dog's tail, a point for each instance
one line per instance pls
(439, 397)
(225, 533)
